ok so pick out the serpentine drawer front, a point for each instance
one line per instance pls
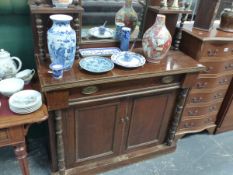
(223, 49)
(206, 83)
(204, 97)
(201, 110)
(197, 123)
(218, 66)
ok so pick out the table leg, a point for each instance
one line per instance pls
(21, 155)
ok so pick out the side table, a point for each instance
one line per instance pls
(14, 127)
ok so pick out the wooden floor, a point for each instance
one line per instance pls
(199, 154)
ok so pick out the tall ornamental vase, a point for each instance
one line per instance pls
(127, 15)
(61, 41)
(157, 40)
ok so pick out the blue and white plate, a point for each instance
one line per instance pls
(96, 64)
(128, 59)
(105, 51)
(109, 33)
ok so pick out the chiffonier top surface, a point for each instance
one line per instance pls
(175, 62)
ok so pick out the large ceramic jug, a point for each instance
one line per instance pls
(156, 41)
(7, 65)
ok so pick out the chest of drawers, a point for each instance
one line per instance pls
(213, 49)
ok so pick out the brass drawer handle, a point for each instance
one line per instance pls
(223, 81)
(218, 95)
(89, 90)
(167, 79)
(208, 69)
(189, 125)
(202, 84)
(197, 99)
(212, 108)
(208, 120)
(229, 66)
(193, 113)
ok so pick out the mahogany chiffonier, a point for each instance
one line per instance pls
(213, 49)
(101, 121)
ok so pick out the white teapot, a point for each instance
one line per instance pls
(8, 68)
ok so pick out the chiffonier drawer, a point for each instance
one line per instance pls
(107, 89)
(194, 111)
(205, 83)
(218, 66)
(217, 49)
(203, 97)
(4, 136)
(199, 123)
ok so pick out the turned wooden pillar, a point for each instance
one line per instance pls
(177, 115)
(60, 145)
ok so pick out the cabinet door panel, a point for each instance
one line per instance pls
(92, 132)
(95, 130)
(149, 119)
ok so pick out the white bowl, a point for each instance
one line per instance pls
(10, 86)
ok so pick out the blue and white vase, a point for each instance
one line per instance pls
(61, 41)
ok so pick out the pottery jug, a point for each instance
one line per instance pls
(7, 65)
(61, 41)
(127, 15)
(157, 40)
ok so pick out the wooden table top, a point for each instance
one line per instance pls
(175, 62)
(9, 118)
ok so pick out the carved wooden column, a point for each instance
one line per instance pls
(60, 145)
(77, 29)
(177, 115)
(178, 36)
(21, 155)
(40, 33)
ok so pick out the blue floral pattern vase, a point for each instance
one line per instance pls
(61, 41)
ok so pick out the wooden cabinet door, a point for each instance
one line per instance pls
(92, 132)
(148, 120)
